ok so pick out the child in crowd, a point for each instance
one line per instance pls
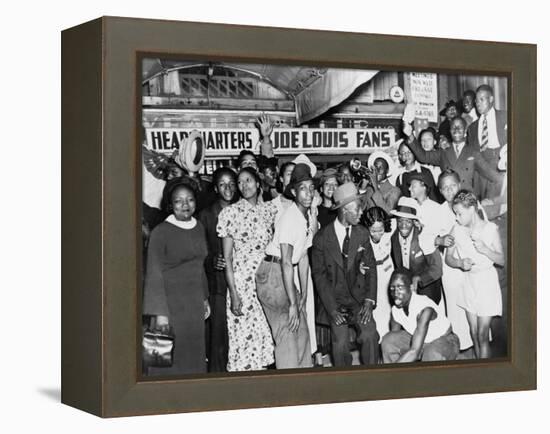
(477, 247)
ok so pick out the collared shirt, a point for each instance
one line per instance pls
(458, 147)
(470, 117)
(189, 224)
(437, 327)
(405, 244)
(291, 228)
(340, 230)
(492, 128)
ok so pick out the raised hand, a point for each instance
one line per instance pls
(264, 125)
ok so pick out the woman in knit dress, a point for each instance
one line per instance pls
(176, 290)
(246, 229)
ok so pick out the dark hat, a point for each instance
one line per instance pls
(301, 172)
(451, 103)
(418, 176)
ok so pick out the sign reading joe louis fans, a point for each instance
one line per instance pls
(222, 142)
(424, 95)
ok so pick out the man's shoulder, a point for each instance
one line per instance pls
(323, 232)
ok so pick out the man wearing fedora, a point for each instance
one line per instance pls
(408, 251)
(344, 272)
(284, 304)
(381, 192)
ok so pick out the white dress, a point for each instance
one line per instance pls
(482, 293)
(384, 269)
(453, 280)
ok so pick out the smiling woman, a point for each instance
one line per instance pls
(176, 291)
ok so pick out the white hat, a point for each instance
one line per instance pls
(191, 152)
(406, 207)
(384, 156)
(302, 158)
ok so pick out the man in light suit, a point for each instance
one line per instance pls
(465, 159)
(488, 134)
(344, 272)
(423, 261)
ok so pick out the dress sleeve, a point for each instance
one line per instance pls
(271, 209)
(226, 223)
(154, 297)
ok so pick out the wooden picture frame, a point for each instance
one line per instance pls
(101, 239)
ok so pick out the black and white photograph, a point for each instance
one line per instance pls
(299, 216)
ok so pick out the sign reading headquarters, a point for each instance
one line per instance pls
(222, 142)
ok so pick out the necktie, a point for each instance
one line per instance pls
(345, 249)
(484, 133)
(457, 151)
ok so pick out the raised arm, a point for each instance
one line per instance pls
(265, 126)
(432, 157)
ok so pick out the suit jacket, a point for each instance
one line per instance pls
(334, 285)
(501, 119)
(209, 219)
(428, 267)
(469, 161)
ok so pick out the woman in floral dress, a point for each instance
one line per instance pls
(246, 228)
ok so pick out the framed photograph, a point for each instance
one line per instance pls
(261, 217)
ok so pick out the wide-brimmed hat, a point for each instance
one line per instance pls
(302, 158)
(345, 194)
(406, 207)
(191, 153)
(384, 156)
(301, 172)
(451, 103)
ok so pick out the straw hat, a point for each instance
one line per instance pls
(384, 156)
(406, 207)
(191, 153)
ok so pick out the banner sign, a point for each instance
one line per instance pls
(424, 95)
(227, 142)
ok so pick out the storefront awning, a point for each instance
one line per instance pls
(329, 90)
(314, 90)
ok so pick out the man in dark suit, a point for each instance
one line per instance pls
(344, 272)
(488, 135)
(423, 261)
(464, 159)
(225, 186)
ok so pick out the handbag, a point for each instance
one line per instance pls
(158, 348)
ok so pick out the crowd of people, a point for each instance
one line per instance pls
(272, 266)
